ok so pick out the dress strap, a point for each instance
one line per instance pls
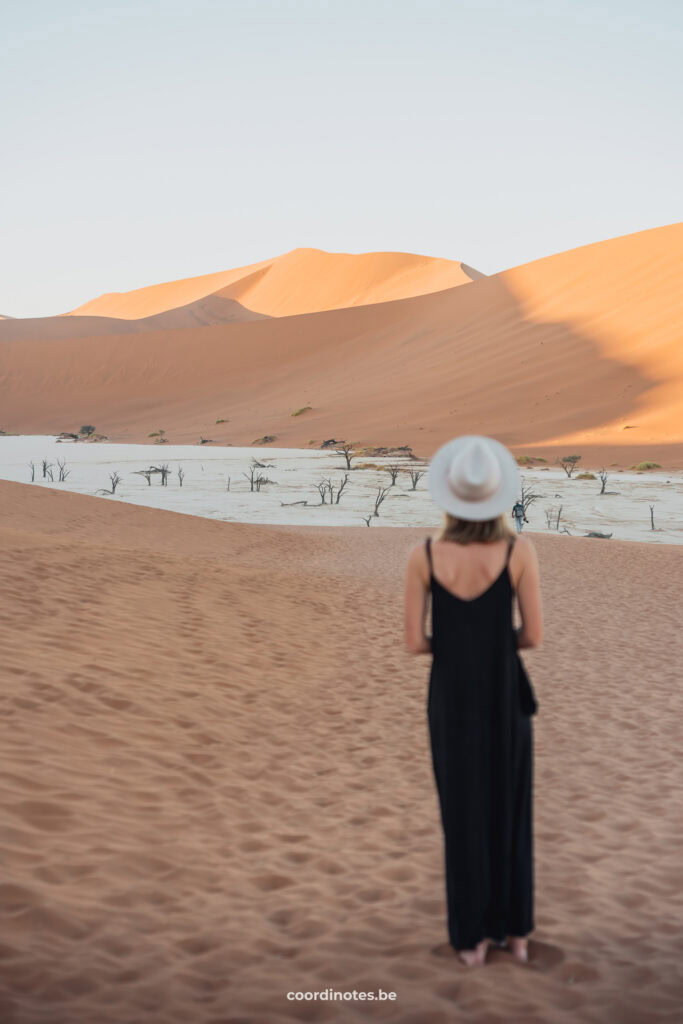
(511, 543)
(429, 554)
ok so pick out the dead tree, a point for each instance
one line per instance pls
(393, 472)
(327, 487)
(381, 495)
(415, 475)
(528, 496)
(256, 480)
(228, 487)
(32, 467)
(261, 480)
(147, 473)
(115, 480)
(165, 472)
(652, 517)
(63, 471)
(46, 466)
(604, 476)
(341, 487)
(596, 533)
(49, 473)
(206, 440)
(251, 476)
(568, 463)
(346, 450)
(181, 475)
(550, 514)
(367, 519)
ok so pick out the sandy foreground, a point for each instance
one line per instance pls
(216, 781)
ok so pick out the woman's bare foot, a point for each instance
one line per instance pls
(519, 949)
(475, 957)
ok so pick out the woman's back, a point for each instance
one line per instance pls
(467, 571)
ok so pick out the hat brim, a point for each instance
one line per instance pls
(506, 494)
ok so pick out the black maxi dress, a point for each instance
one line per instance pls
(479, 707)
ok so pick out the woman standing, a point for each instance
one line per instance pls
(480, 699)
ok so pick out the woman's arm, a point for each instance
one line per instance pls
(416, 601)
(529, 597)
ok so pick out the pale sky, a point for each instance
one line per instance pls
(154, 140)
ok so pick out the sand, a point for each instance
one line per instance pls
(216, 784)
(576, 353)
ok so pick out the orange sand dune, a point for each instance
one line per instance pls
(301, 281)
(578, 351)
(213, 794)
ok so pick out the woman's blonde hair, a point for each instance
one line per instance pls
(466, 531)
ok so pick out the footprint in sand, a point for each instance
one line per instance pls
(543, 956)
(298, 858)
(271, 882)
(14, 898)
(577, 973)
(197, 945)
(375, 895)
(330, 867)
(43, 815)
(253, 846)
(283, 918)
(399, 874)
(311, 928)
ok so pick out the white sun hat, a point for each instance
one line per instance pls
(474, 477)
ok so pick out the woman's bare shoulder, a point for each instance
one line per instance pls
(418, 552)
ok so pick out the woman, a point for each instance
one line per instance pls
(480, 699)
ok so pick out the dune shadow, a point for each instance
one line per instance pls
(479, 364)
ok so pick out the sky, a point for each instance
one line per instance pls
(154, 140)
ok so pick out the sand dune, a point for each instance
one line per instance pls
(301, 281)
(213, 794)
(580, 349)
